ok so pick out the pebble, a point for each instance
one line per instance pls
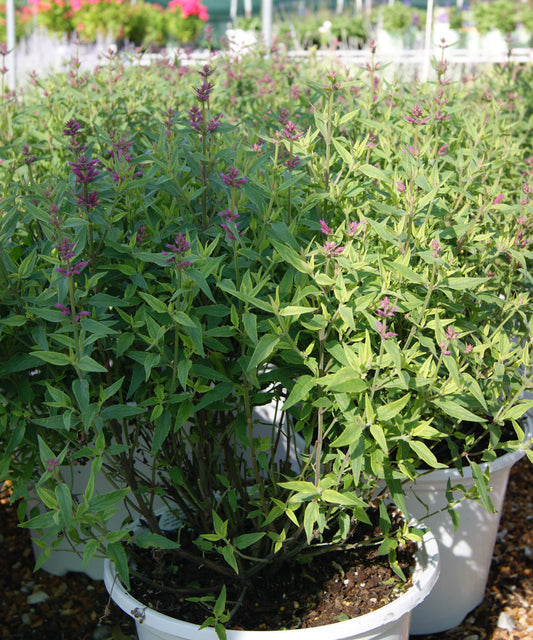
(474, 636)
(25, 618)
(101, 633)
(37, 597)
(505, 622)
(27, 587)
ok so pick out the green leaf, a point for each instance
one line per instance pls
(262, 351)
(300, 486)
(299, 392)
(124, 342)
(247, 539)
(146, 539)
(389, 411)
(229, 556)
(220, 604)
(161, 431)
(345, 380)
(405, 271)
(461, 284)
(90, 549)
(250, 325)
(389, 544)
(373, 172)
(481, 486)
(52, 357)
(86, 363)
(117, 555)
(379, 435)
(64, 503)
(425, 453)
(47, 497)
(120, 411)
(41, 521)
(156, 304)
(106, 301)
(348, 499)
(455, 410)
(104, 501)
(310, 517)
(45, 452)
(295, 310)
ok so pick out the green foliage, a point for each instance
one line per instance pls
(499, 14)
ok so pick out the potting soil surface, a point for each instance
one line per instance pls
(39, 606)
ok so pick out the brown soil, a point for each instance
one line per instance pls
(323, 590)
(76, 605)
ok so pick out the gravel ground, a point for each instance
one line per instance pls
(39, 606)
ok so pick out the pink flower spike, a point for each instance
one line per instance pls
(382, 330)
(400, 186)
(498, 199)
(324, 228)
(468, 348)
(331, 249)
(385, 310)
(450, 333)
(445, 351)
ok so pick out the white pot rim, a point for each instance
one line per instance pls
(502, 462)
(424, 577)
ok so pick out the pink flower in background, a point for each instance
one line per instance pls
(189, 8)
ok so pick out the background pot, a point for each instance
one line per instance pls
(465, 554)
(390, 622)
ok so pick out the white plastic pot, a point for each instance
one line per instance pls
(391, 622)
(465, 554)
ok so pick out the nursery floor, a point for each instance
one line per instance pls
(74, 606)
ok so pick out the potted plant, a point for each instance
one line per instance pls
(151, 300)
(361, 307)
(186, 20)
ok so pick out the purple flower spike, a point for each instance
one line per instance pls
(89, 200)
(72, 128)
(65, 249)
(180, 246)
(76, 269)
(65, 311)
(232, 178)
(229, 216)
(416, 116)
(52, 464)
(196, 118)
(84, 169)
(385, 310)
(203, 92)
